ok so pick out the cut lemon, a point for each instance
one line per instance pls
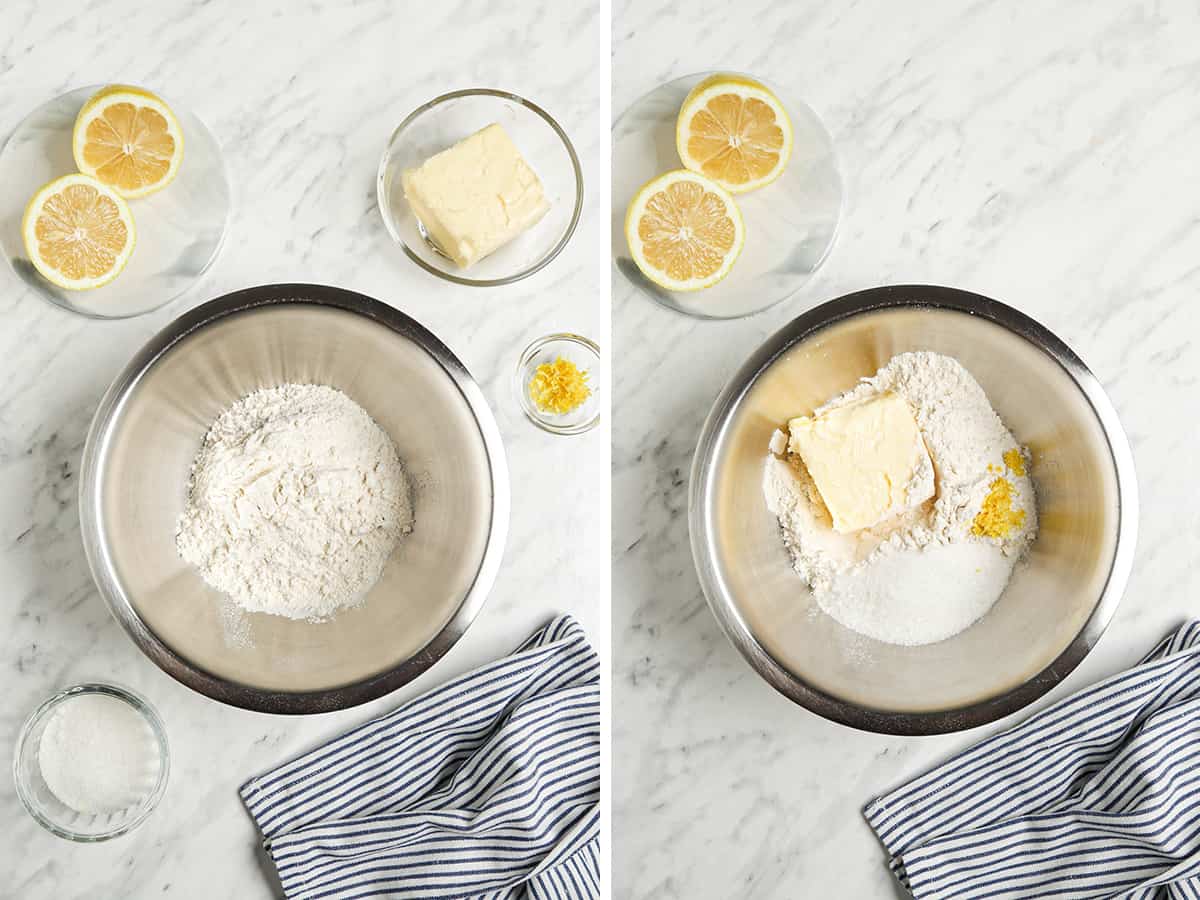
(129, 139)
(684, 230)
(735, 131)
(78, 232)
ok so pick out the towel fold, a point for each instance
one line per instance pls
(488, 786)
(1098, 796)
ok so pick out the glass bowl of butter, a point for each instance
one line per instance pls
(480, 187)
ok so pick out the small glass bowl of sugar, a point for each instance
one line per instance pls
(91, 762)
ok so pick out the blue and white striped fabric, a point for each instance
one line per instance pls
(1097, 796)
(487, 787)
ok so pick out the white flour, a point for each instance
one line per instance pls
(922, 577)
(296, 500)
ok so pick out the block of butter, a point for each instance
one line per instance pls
(867, 458)
(476, 196)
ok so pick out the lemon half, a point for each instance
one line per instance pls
(684, 231)
(78, 233)
(734, 130)
(128, 139)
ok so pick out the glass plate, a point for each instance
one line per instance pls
(180, 229)
(790, 224)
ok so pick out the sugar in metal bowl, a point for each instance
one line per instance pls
(1061, 596)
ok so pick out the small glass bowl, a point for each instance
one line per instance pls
(54, 815)
(443, 122)
(579, 350)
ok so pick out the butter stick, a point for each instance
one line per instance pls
(867, 459)
(476, 196)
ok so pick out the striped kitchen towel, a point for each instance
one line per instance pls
(487, 787)
(1098, 796)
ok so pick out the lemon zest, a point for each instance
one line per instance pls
(997, 518)
(1015, 461)
(559, 387)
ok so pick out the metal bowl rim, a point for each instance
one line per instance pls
(215, 686)
(716, 430)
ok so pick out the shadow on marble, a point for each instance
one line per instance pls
(267, 868)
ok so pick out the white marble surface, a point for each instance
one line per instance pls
(303, 98)
(1042, 154)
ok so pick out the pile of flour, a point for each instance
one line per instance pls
(923, 576)
(296, 500)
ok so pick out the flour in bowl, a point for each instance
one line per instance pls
(296, 501)
(930, 572)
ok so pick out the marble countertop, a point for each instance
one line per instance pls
(303, 100)
(1043, 156)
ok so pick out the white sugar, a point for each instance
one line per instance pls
(919, 595)
(97, 754)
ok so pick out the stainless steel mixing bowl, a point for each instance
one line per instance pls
(150, 425)
(1059, 600)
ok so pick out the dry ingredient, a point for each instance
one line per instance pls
(925, 574)
(97, 754)
(296, 501)
(918, 596)
(559, 387)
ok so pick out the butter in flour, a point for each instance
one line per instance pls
(296, 501)
(867, 458)
(923, 575)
